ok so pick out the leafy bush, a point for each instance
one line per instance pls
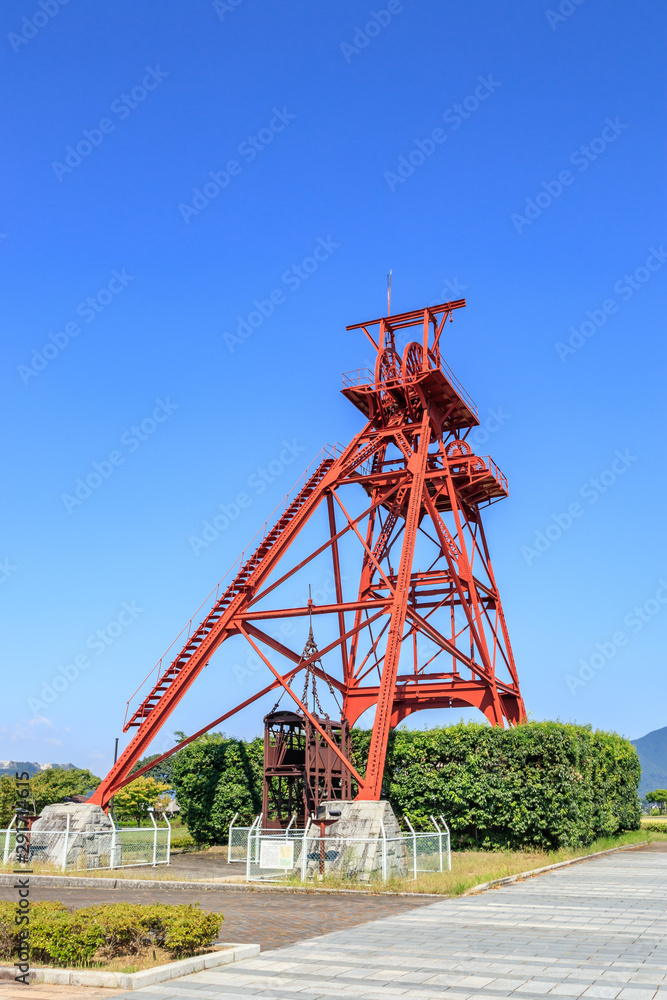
(181, 841)
(64, 938)
(544, 784)
(189, 929)
(44, 788)
(100, 933)
(214, 777)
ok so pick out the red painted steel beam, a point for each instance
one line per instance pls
(399, 320)
(304, 610)
(382, 724)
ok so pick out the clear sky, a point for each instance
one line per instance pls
(169, 166)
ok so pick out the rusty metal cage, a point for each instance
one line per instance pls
(300, 768)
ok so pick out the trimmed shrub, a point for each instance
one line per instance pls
(100, 933)
(180, 841)
(214, 777)
(543, 784)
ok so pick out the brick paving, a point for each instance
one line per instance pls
(597, 930)
(272, 919)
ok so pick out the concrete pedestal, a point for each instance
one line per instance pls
(49, 837)
(355, 845)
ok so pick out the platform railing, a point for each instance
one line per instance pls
(365, 377)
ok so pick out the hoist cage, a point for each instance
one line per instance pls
(300, 768)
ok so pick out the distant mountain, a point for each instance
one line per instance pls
(12, 767)
(652, 750)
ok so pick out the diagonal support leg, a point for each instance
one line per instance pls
(385, 703)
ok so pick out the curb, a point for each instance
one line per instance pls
(69, 882)
(135, 980)
(549, 868)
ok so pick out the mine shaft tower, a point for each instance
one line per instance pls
(420, 624)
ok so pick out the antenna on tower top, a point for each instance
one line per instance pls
(389, 293)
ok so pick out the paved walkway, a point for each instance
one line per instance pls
(597, 930)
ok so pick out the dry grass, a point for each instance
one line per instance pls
(160, 873)
(471, 868)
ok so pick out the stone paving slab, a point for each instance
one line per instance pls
(598, 930)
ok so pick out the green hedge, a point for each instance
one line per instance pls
(215, 777)
(96, 934)
(542, 784)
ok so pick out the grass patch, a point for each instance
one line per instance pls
(146, 958)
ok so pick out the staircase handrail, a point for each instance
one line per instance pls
(329, 451)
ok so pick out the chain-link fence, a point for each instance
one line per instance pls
(70, 850)
(305, 854)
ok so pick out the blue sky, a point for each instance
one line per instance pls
(173, 165)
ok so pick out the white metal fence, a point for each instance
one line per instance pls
(74, 850)
(237, 843)
(304, 854)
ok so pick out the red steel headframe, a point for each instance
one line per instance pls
(407, 638)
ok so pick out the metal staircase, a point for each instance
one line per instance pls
(238, 585)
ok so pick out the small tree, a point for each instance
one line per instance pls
(134, 800)
(57, 783)
(8, 799)
(659, 796)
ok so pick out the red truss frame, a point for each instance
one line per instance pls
(424, 488)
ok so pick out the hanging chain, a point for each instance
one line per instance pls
(310, 650)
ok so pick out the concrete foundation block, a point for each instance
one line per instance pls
(48, 836)
(364, 843)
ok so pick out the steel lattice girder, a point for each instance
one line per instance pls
(416, 468)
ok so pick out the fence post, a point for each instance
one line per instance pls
(249, 849)
(289, 826)
(168, 838)
(229, 841)
(112, 859)
(5, 855)
(449, 844)
(150, 813)
(414, 845)
(258, 838)
(64, 864)
(439, 840)
(304, 851)
(384, 852)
